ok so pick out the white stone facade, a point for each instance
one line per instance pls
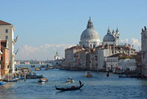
(124, 64)
(101, 59)
(111, 63)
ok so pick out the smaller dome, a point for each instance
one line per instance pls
(109, 37)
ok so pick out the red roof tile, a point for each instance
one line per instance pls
(4, 23)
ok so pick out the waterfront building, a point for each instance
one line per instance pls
(69, 56)
(27, 63)
(89, 37)
(120, 62)
(0, 59)
(93, 60)
(102, 54)
(112, 63)
(105, 50)
(17, 62)
(127, 64)
(82, 59)
(4, 58)
(7, 33)
(144, 50)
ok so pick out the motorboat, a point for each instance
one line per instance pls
(70, 88)
(51, 67)
(32, 66)
(12, 80)
(70, 80)
(2, 83)
(88, 74)
(42, 66)
(43, 80)
(37, 69)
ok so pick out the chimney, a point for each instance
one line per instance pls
(145, 27)
(132, 46)
(142, 30)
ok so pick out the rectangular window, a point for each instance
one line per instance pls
(6, 37)
(6, 30)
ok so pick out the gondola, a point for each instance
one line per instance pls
(70, 88)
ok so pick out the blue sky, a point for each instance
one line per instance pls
(61, 22)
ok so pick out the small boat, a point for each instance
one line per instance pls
(42, 80)
(107, 74)
(88, 74)
(32, 66)
(21, 78)
(70, 80)
(46, 68)
(51, 67)
(70, 88)
(2, 83)
(12, 80)
(39, 76)
(42, 66)
(37, 69)
(124, 76)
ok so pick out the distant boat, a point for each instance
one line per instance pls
(21, 78)
(2, 83)
(88, 74)
(107, 74)
(42, 80)
(42, 66)
(12, 80)
(70, 88)
(70, 80)
(32, 65)
(37, 69)
(51, 67)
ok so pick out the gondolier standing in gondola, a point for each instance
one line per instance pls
(80, 82)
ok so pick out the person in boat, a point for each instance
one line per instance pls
(73, 87)
(108, 74)
(80, 82)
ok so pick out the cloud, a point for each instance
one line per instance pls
(135, 42)
(43, 52)
(132, 41)
(124, 41)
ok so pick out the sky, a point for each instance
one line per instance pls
(46, 26)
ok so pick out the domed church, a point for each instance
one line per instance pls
(89, 37)
(111, 38)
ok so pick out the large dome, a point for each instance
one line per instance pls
(89, 37)
(89, 34)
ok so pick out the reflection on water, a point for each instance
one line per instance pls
(99, 86)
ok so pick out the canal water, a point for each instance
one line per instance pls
(97, 87)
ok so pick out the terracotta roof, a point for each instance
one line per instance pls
(4, 23)
(118, 55)
(75, 47)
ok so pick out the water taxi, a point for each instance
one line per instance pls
(2, 83)
(51, 67)
(70, 80)
(42, 80)
(37, 69)
(88, 74)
